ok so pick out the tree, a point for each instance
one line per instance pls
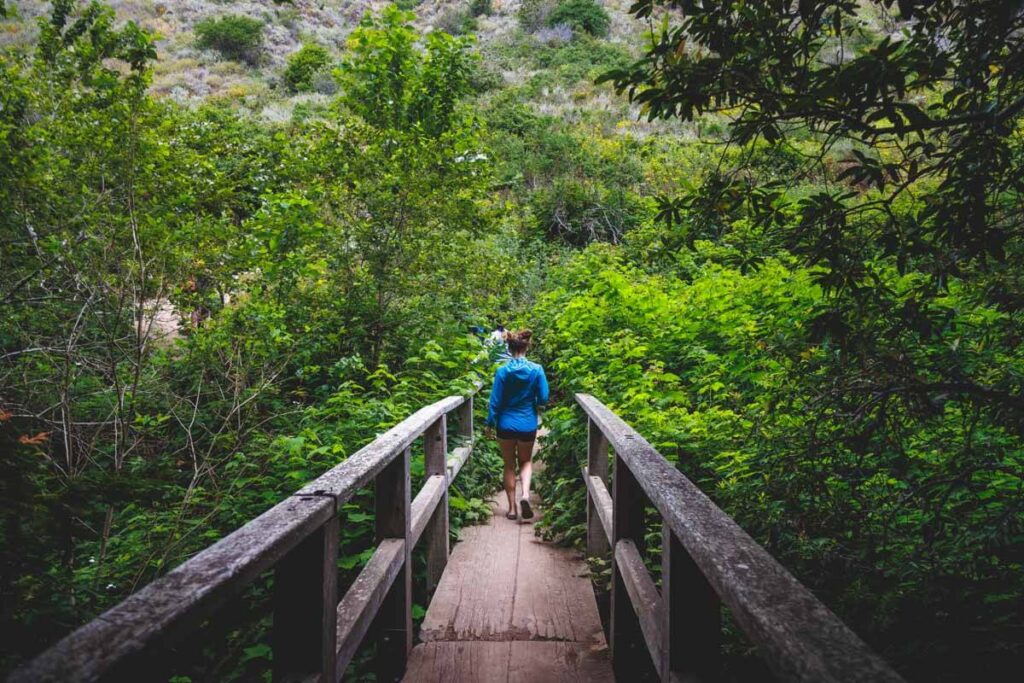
(235, 37)
(304, 65)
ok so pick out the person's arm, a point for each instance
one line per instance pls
(494, 405)
(542, 388)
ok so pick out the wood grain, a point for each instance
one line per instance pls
(798, 636)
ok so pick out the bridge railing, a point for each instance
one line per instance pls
(314, 635)
(706, 560)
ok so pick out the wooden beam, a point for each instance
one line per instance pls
(305, 605)
(465, 415)
(435, 442)
(643, 595)
(630, 657)
(798, 636)
(357, 609)
(601, 500)
(426, 501)
(392, 519)
(117, 645)
(691, 621)
(457, 459)
(361, 467)
(598, 539)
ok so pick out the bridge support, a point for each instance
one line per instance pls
(597, 466)
(435, 443)
(393, 516)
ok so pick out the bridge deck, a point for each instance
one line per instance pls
(511, 607)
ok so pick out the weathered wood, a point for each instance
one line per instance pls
(514, 662)
(465, 415)
(799, 637)
(691, 621)
(598, 538)
(362, 466)
(426, 501)
(392, 519)
(628, 648)
(117, 645)
(601, 501)
(363, 599)
(504, 583)
(435, 443)
(643, 595)
(305, 600)
(457, 459)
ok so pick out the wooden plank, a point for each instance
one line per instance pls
(554, 599)
(475, 597)
(598, 539)
(457, 459)
(358, 607)
(516, 662)
(555, 662)
(601, 501)
(643, 595)
(628, 648)
(691, 620)
(118, 644)
(392, 519)
(305, 603)
(799, 637)
(465, 414)
(459, 662)
(426, 501)
(435, 441)
(362, 466)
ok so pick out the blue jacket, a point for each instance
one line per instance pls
(519, 388)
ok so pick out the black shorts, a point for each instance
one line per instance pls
(517, 436)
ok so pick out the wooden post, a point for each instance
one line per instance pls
(466, 418)
(435, 442)
(597, 466)
(305, 604)
(691, 618)
(394, 620)
(630, 658)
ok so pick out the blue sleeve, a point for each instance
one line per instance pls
(494, 405)
(542, 388)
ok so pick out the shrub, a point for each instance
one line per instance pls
(480, 7)
(584, 15)
(304, 66)
(533, 14)
(457, 21)
(235, 37)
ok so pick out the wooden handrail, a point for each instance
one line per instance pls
(314, 635)
(707, 559)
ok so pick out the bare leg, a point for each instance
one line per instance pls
(508, 454)
(525, 456)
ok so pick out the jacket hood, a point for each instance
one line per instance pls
(520, 368)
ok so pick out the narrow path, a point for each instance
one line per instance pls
(511, 607)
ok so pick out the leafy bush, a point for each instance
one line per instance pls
(305, 65)
(235, 37)
(480, 7)
(457, 21)
(584, 15)
(533, 14)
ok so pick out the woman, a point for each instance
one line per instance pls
(519, 389)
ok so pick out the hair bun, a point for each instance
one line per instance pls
(526, 335)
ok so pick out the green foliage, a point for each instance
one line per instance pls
(480, 7)
(533, 14)
(584, 15)
(234, 36)
(304, 65)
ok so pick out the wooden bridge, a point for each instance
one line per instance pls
(505, 607)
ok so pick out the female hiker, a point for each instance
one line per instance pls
(519, 389)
